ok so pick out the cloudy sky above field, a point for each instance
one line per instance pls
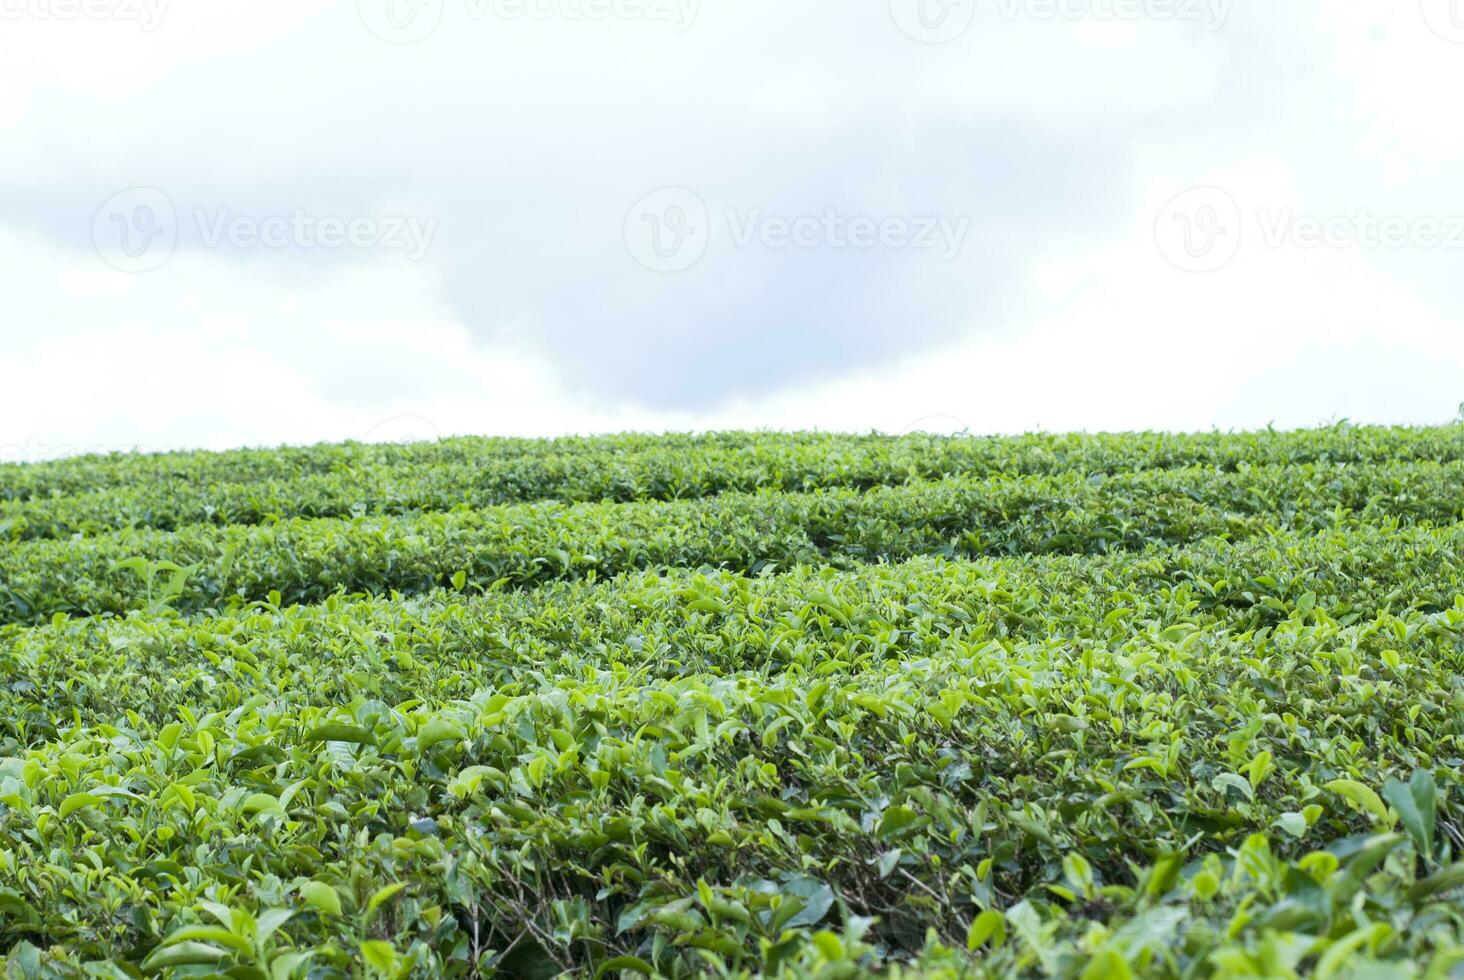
(227, 222)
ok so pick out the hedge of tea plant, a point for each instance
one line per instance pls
(99, 494)
(204, 567)
(1200, 713)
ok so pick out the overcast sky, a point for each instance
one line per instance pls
(229, 222)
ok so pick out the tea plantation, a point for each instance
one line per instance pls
(738, 705)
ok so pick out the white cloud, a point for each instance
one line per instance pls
(528, 140)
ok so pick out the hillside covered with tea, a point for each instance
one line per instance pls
(813, 705)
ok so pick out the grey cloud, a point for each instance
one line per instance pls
(528, 147)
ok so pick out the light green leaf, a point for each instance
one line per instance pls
(321, 897)
(208, 934)
(1363, 798)
(1293, 823)
(384, 895)
(381, 956)
(270, 921)
(341, 732)
(1233, 781)
(261, 803)
(1417, 806)
(75, 802)
(437, 731)
(895, 820)
(989, 925)
(621, 963)
(183, 954)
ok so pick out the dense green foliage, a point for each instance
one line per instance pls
(816, 705)
(94, 495)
